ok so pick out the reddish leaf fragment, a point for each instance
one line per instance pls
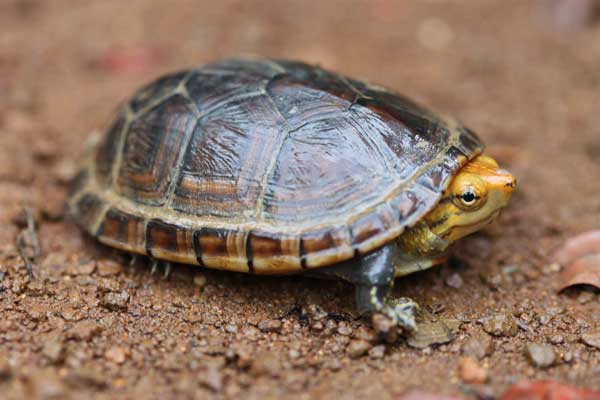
(547, 390)
(129, 60)
(577, 247)
(584, 271)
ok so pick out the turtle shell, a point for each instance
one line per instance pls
(266, 166)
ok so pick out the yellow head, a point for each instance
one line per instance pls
(473, 199)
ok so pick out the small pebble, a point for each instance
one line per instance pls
(377, 352)
(540, 355)
(385, 328)
(109, 267)
(200, 280)
(86, 268)
(84, 330)
(54, 351)
(314, 312)
(271, 325)
(478, 346)
(591, 339)
(357, 348)
(251, 333)
(500, 325)
(344, 329)
(266, 363)
(454, 281)
(116, 355)
(585, 297)
(556, 339)
(364, 333)
(231, 328)
(470, 371)
(115, 301)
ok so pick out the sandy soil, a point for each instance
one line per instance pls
(90, 325)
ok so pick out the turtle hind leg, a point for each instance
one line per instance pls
(373, 278)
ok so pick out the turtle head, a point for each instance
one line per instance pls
(474, 198)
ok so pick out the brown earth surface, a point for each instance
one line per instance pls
(90, 325)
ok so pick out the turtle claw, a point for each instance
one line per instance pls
(154, 267)
(166, 266)
(168, 270)
(402, 312)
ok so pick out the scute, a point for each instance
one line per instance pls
(267, 166)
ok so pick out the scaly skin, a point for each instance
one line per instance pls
(473, 199)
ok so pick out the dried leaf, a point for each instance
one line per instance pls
(130, 60)
(543, 390)
(584, 271)
(577, 247)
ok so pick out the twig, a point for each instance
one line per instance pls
(28, 238)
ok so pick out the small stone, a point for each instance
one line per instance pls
(454, 281)
(266, 363)
(333, 364)
(478, 346)
(84, 330)
(501, 325)
(357, 348)
(364, 333)
(556, 339)
(430, 333)
(37, 312)
(45, 384)
(344, 329)
(116, 355)
(115, 301)
(314, 312)
(5, 370)
(212, 378)
(317, 326)
(109, 267)
(86, 268)
(36, 288)
(54, 351)
(591, 339)
(470, 371)
(585, 297)
(271, 325)
(540, 355)
(200, 280)
(377, 352)
(251, 333)
(231, 328)
(385, 328)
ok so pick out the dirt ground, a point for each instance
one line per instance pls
(91, 326)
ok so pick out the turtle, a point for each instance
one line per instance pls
(268, 166)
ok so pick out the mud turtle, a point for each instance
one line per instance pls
(277, 167)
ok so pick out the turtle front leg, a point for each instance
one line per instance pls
(373, 278)
(376, 299)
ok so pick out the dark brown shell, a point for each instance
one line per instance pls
(266, 166)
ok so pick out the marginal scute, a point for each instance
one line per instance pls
(266, 166)
(222, 249)
(169, 241)
(122, 230)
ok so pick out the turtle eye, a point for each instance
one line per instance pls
(468, 197)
